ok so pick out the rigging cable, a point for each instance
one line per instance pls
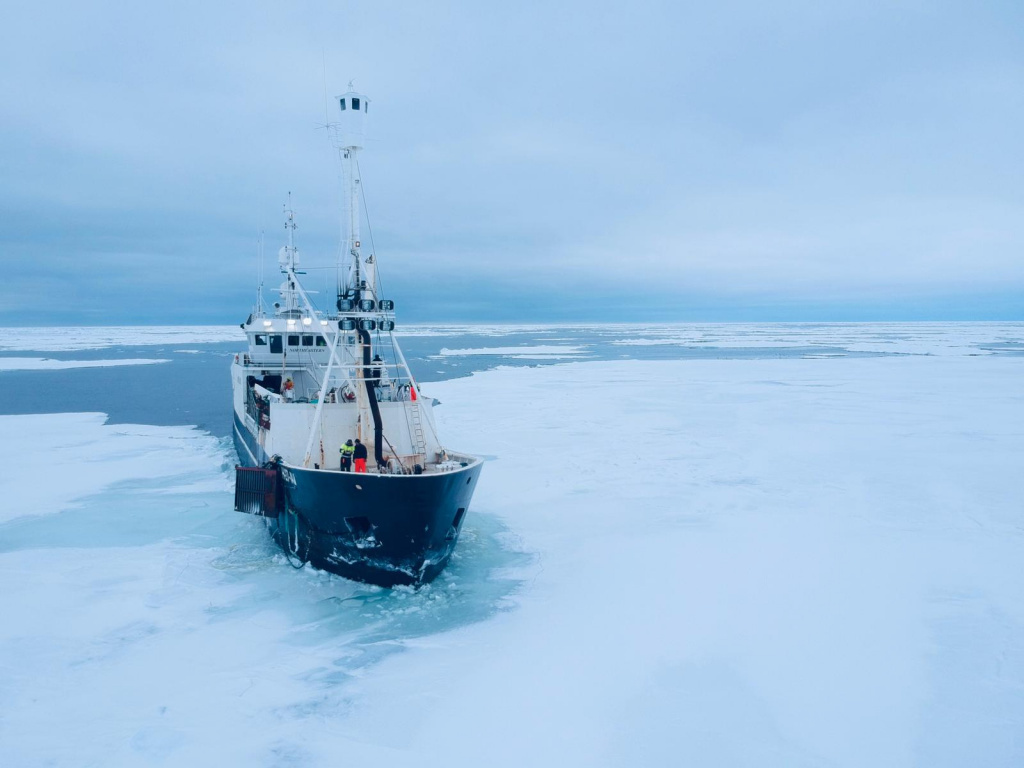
(373, 248)
(369, 227)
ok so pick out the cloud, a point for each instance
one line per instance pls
(806, 157)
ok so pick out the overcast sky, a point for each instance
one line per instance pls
(527, 161)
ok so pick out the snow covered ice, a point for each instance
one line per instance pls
(41, 339)
(542, 352)
(42, 363)
(791, 561)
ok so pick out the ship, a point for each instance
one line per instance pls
(314, 380)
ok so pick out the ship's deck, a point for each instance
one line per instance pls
(433, 468)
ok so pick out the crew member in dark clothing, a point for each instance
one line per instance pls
(359, 456)
(346, 456)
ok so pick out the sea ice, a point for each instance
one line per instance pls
(41, 339)
(146, 622)
(501, 329)
(535, 352)
(885, 338)
(45, 364)
(764, 562)
(51, 460)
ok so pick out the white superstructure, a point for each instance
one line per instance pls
(312, 377)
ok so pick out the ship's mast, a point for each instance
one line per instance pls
(258, 311)
(348, 135)
(288, 258)
(360, 308)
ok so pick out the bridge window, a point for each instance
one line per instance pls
(307, 341)
(355, 103)
(321, 341)
(261, 339)
(276, 347)
(342, 105)
(293, 341)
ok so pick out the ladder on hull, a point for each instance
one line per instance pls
(419, 443)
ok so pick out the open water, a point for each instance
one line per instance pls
(193, 387)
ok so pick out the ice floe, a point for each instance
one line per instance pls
(147, 622)
(798, 562)
(46, 364)
(42, 339)
(536, 352)
(885, 338)
(900, 338)
(53, 459)
(475, 329)
(768, 562)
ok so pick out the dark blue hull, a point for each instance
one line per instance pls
(381, 529)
